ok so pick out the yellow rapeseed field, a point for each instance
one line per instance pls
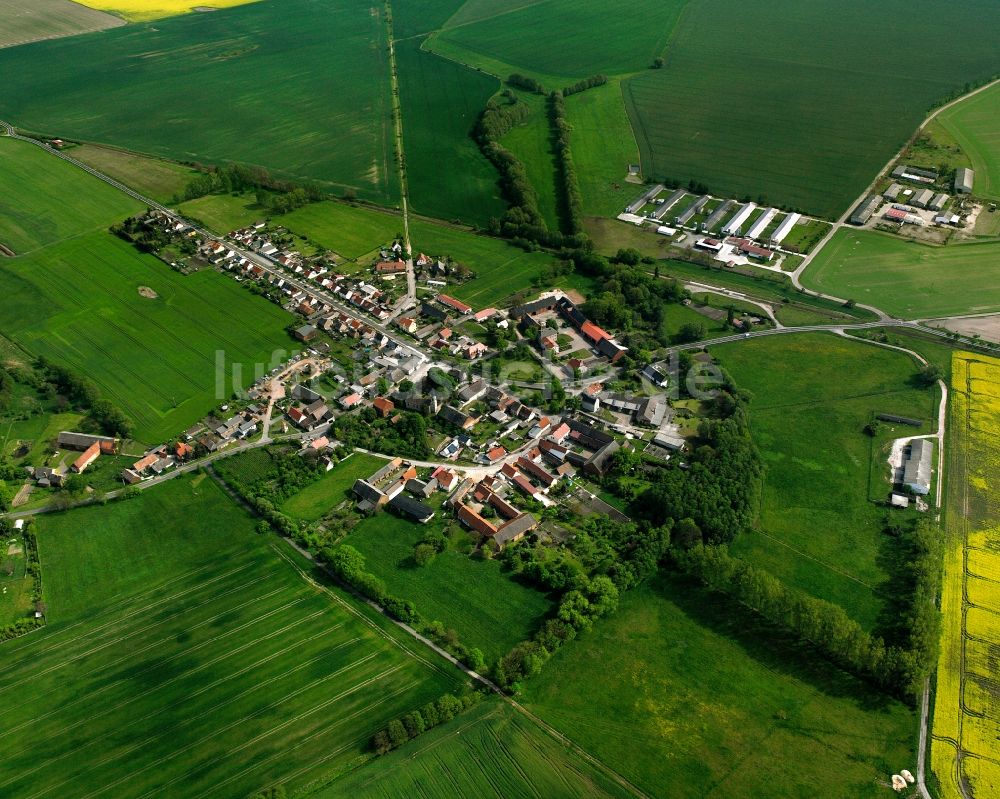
(143, 10)
(966, 703)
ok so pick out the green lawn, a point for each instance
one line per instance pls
(489, 751)
(316, 499)
(77, 303)
(819, 527)
(784, 113)
(441, 101)
(223, 213)
(474, 597)
(184, 656)
(349, 230)
(972, 123)
(34, 187)
(908, 279)
(46, 19)
(155, 177)
(686, 698)
(298, 86)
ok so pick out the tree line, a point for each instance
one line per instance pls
(274, 195)
(415, 723)
(587, 83)
(524, 82)
(84, 393)
(572, 201)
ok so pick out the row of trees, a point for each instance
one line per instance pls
(34, 569)
(822, 625)
(84, 393)
(582, 85)
(572, 200)
(415, 723)
(238, 178)
(520, 81)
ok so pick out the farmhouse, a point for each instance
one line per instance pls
(917, 466)
(91, 454)
(748, 248)
(390, 267)
(964, 180)
(306, 333)
(455, 305)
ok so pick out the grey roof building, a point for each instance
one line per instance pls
(964, 179)
(922, 199)
(864, 211)
(917, 466)
(407, 506)
(892, 192)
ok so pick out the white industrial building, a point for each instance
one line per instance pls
(735, 226)
(785, 228)
(761, 224)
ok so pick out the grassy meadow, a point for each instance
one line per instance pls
(22, 22)
(298, 86)
(34, 186)
(820, 528)
(908, 279)
(441, 102)
(317, 499)
(686, 697)
(158, 178)
(474, 597)
(77, 303)
(531, 142)
(972, 124)
(491, 751)
(805, 111)
(966, 708)
(183, 656)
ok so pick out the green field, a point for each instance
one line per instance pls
(972, 123)
(531, 142)
(907, 279)
(441, 101)
(501, 269)
(819, 527)
(806, 110)
(685, 698)
(157, 178)
(183, 656)
(298, 86)
(350, 231)
(77, 303)
(315, 500)
(489, 751)
(613, 37)
(22, 22)
(34, 186)
(474, 597)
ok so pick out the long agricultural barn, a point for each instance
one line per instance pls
(758, 227)
(864, 211)
(649, 195)
(922, 198)
(686, 217)
(717, 216)
(735, 226)
(939, 202)
(964, 180)
(669, 203)
(785, 228)
(892, 192)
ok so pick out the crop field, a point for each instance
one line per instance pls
(908, 279)
(474, 597)
(966, 704)
(33, 188)
(763, 707)
(972, 123)
(143, 10)
(77, 303)
(298, 86)
(441, 102)
(783, 114)
(819, 527)
(613, 37)
(183, 656)
(154, 177)
(22, 22)
(316, 499)
(501, 269)
(489, 751)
